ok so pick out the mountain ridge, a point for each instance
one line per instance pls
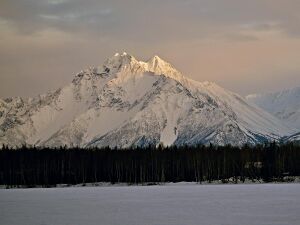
(126, 102)
(284, 105)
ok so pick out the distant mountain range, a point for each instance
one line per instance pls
(126, 102)
(285, 105)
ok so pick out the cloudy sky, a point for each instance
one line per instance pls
(247, 46)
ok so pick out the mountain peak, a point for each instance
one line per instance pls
(161, 67)
(126, 62)
(116, 62)
(156, 61)
(156, 58)
(124, 103)
(123, 56)
(118, 54)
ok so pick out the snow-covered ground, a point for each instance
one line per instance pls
(181, 204)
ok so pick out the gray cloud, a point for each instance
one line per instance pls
(115, 17)
(46, 41)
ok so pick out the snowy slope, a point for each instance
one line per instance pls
(285, 105)
(292, 138)
(126, 102)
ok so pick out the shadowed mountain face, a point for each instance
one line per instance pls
(126, 102)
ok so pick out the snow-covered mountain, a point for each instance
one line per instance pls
(285, 105)
(127, 102)
(292, 138)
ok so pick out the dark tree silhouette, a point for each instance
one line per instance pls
(46, 167)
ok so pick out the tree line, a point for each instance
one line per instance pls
(31, 166)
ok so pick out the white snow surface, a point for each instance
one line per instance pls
(126, 102)
(248, 204)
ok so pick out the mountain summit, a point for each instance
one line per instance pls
(126, 102)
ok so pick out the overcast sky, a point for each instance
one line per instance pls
(247, 46)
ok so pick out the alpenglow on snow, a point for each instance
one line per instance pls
(126, 102)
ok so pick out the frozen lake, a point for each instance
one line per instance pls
(158, 205)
